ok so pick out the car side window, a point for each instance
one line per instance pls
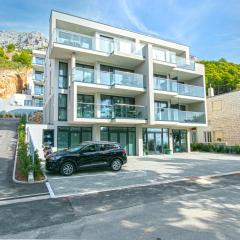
(90, 148)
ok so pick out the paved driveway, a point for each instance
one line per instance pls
(8, 142)
(145, 170)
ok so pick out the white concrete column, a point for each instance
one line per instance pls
(97, 105)
(187, 54)
(73, 65)
(139, 141)
(96, 133)
(97, 73)
(96, 42)
(188, 140)
(149, 84)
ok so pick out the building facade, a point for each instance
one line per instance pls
(223, 119)
(106, 83)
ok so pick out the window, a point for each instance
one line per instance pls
(27, 102)
(207, 137)
(63, 75)
(84, 73)
(48, 137)
(39, 61)
(38, 90)
(85, 106)
(72, 136)
(90, 148)
(38, 75)
(62, 107)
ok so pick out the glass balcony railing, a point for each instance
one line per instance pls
(38, 61)
(163, 84)
(190, 90)
(181, 63)
(166, 114)
(38, 77)
(107, 45)
(124, 111)
(191, 117)
(109, 78)
(170, 114)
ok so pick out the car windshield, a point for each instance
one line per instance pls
(77, 149)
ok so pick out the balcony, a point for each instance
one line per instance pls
(175, 115)
(181, 63)
(190, 90)
(105, 45)
(170, 59)
(38, 61)
(163, 84)
(38, 77)
(90, 79)
(117, 112)
(172, 86)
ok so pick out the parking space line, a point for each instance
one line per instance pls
(97, 174)
(52, 195)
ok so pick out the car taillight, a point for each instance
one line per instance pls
(124, 152)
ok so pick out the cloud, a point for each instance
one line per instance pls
(135, 21)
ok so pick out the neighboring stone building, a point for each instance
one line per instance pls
(223, 120)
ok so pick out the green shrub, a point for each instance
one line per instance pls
(11, 47)
(24, 57)
(37, 165)
(219, 148)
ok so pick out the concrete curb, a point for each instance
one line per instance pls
(14, 172)
(185, 179)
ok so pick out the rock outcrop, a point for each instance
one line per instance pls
(13, 81)
(23, 40)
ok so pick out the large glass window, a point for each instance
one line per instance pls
(179, 140)
(155, 140)
(85, 106)
(63, 75)
(72, 136)
(62, 107)
(48, 137)
(84, 73)
(125, 136)
(38, 89)
(119, 109)
(38, 75)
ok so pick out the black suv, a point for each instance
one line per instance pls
(87, 154)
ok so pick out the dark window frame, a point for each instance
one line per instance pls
(64, 76)
(62, 108)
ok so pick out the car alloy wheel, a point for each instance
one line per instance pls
(67, 169)
(116, 165)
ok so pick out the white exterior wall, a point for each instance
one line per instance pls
(146, 66)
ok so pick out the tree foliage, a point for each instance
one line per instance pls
(24, 57)
(11, 47)
(222, 74)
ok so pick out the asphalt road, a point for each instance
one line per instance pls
(8, 142)
(193, 209)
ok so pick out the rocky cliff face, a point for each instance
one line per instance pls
(13, 81)
(23, 40)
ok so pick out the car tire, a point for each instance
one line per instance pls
(116, 165)
(67, 169)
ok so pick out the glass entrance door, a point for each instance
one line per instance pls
(179, 140)
(125, 136)
(155, 140)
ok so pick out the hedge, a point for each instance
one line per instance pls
(26, 161)
(218, 148)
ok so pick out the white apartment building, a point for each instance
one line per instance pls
(107, 83)
(36, 79)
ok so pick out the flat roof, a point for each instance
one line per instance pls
(125, 29)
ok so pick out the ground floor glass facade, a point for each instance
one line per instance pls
(126, 136)
(155, 140)
(72, 136)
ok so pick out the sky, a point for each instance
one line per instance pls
(211, 28)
